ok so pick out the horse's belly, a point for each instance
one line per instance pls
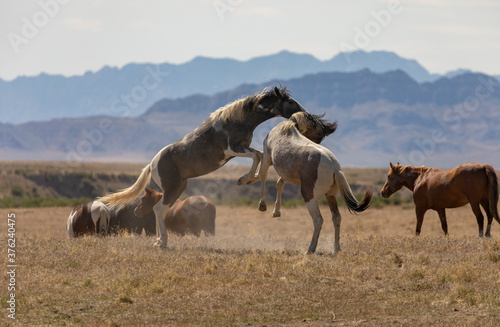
(448, 200)
(289, 175)
(292, 163)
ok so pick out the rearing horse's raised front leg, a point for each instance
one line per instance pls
(256, 155)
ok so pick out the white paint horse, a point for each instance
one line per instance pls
(301, 161)
(89, 218)
(226, 134)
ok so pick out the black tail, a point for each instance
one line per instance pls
(493, 183)
(352, 203)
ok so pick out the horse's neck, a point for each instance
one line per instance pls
(409, 181)
(252, 121)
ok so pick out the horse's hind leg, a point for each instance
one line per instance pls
(317, 219)
(442, 217)
(160, 211)
(420, 212)
(479, 217)
(336, 219)
(486, 206)
(172, 189)
(264, 166)
(280, 184)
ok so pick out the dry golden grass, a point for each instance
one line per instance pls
(254, 272)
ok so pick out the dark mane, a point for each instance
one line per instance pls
(312, 126)
(399, 169)
(282, 89)
(327, 128)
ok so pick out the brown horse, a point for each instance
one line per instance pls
(301, 161)
(226, 134)
(193, 215)
(125, 219)
(89, 218)
(436, 189)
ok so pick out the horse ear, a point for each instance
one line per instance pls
(331, 127)
(277, 92)
(392, 166)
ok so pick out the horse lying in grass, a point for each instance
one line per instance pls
(301, 161)
(125, 219)
(193, 215)
(89, 218)
(437, 189)
(226, 134)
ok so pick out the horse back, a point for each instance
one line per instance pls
(452, 188)
(193, 214)
(199, 214)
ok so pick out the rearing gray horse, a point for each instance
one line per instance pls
(226, 134)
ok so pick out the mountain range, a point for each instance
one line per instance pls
(135, 87)
(384, 116)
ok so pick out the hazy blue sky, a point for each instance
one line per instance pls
(71, 37)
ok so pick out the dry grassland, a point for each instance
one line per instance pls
(254, 273)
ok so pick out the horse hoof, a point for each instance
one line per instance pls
(161, 245)
(262, 206)
(243, 180)
(276, 214)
